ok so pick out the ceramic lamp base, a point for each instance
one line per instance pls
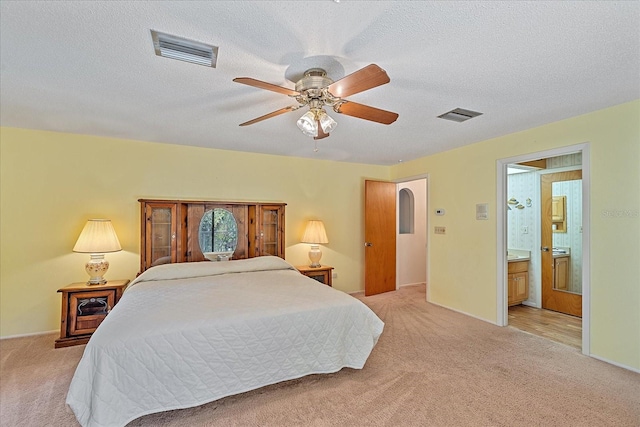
(96, 268)
(314, 256)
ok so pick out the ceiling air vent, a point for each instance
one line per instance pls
(459, 115)
(184, 50)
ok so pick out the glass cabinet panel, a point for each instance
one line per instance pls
(270, 226)
(161, 234)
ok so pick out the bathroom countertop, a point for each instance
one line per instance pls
(560, 252)
(516, 255)
(517, 259)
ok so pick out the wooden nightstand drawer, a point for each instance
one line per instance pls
(322, 274)
(84, 307)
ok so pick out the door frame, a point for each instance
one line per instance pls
(502, 312)
(424, 176)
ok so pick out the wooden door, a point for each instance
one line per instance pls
(553, 298)
(380, 237)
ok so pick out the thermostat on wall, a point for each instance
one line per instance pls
(440, 212)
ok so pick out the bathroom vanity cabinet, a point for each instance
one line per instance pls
(559, 214)
(518, 281)
(561, 273)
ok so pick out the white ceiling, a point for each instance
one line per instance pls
(90, 68)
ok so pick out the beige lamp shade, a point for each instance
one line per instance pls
(315, 234)
(97, 238)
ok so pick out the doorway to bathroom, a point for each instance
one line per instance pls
(552, 254)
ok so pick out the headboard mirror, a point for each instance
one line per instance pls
(218, 234)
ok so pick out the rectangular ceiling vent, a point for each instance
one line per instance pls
(459, 115)
(182, 49)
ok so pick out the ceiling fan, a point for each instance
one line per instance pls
(316, 90)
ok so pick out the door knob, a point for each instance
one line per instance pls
(368, 244)
(544, 248)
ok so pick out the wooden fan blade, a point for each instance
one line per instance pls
(272, 114)
(364, 79)
(321, 133)
(365, 112)
(264, 85)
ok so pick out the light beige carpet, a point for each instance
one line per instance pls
(431, 367)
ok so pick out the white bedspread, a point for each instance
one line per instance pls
(186, 334)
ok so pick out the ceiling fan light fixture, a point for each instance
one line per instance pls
(316, 91)
(326, 122)
(307, 124)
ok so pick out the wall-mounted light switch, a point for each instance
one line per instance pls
(482, 211)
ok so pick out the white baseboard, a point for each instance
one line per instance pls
(530, 304)
(464, 312)
(619, 365)
(29, 335)
(412, 284)
(399, 286)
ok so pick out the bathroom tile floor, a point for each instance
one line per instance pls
(548, 324)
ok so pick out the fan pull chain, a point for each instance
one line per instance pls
(315, 145)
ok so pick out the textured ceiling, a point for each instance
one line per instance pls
(90, 68)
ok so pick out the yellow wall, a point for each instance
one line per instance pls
(51, 183)
(463, 261)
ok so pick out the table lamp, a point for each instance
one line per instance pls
(315, 234)
(97, 238)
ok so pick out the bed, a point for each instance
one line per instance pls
(189, 333)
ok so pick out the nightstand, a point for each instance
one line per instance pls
(84, 307)
(322, 274)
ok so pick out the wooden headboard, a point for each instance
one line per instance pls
(169, 229)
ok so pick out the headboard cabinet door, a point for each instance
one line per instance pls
(266, 236)
(161, 240)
